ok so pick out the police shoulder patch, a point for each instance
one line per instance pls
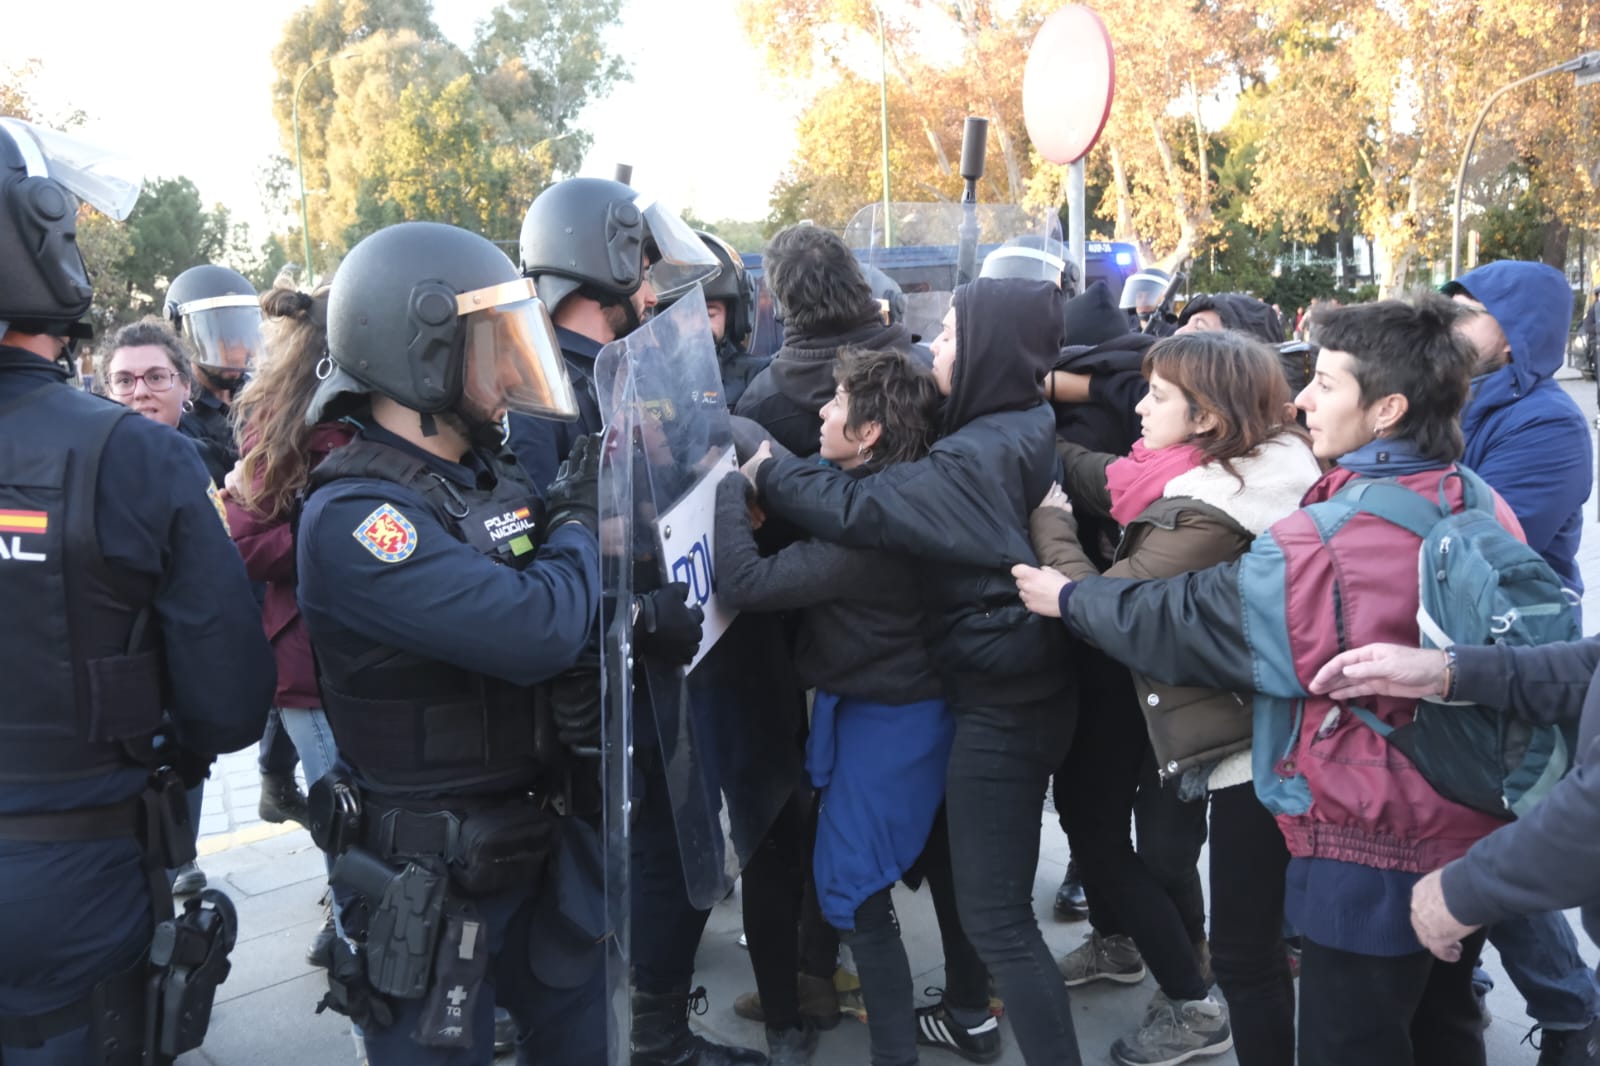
(387, 534)
(216, 501)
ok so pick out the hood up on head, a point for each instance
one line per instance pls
(1008, 335)
(1533, 304)
(1093, 317)
(1241, 313)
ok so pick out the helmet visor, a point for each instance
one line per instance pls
(1143, 292)
(225, 331)
(512, 359)
(109, 183)
(679, 259)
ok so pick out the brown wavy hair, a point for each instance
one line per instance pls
(1234, 378)
(888, 388)
(270, 411)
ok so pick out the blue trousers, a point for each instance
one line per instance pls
(1540, 954)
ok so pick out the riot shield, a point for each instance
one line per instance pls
(724, 733)
(920, 246)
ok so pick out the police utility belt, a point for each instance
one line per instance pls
(420, 869)
(160, 1007)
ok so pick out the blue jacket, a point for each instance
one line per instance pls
(1525, 436)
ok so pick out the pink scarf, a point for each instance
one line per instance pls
(1138, 480)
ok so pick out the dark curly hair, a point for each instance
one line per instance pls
(817, 281)
(890, 389)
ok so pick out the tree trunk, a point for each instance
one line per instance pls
(1119, 182)
(1188, 223)
(1556, 233)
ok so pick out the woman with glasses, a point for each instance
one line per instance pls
(146, 368)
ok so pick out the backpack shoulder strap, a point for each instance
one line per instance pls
(1395, 503)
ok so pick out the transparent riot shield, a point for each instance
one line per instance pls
(616, 709)
(707, 738)
(930, 248)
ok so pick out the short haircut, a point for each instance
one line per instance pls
(817, 282)
(151, 332)
(1411, 349)
(889, 388)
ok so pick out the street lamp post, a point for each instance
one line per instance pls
(883, 122)
(1586, 68)
(299, 166)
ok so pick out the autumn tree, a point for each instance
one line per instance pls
(398, 123)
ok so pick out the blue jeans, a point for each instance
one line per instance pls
(312, 737)
(1000, 767)
(1540, 954)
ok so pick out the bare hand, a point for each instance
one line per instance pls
(1040, 589)
(1432, 921)
(752, 466)
(233, 483)
(1382, 670)
(1056, 498)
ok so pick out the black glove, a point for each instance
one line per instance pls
(575, 703)
(665, 626)
(191, 767)
(574, 495)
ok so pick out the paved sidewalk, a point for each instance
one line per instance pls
(264, 1014)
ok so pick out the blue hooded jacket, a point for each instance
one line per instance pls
(1525, 436)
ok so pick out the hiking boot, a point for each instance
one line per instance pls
(847, 986)
(979, 1043)
(1175, 1032)
(819, 1002)
(1568, 1047)
(1103, 958)
(1072, 905)
(281, 799)
(188, 880)
(661, 1035)
(791, 1047)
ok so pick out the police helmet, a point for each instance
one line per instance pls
(1033, 258)
(608, 237)
(1150, 284)
(438, 319)
(44, 284)
(733, 285)
(218, 310)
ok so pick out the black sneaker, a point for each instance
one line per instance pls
(936, 1028)
(1567, 1047)
(1072, 905)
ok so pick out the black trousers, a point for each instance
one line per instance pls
(772, 891)
(1406, 1010)
(1100, 782)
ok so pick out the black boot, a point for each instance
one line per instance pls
(792, 1047)
(1071, 903)
(661, 1035)
(1569, 1047)
(281, 799)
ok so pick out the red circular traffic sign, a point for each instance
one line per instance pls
(1068, 84)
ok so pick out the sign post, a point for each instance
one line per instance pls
(1067, 89)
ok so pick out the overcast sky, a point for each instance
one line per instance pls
(184, 86)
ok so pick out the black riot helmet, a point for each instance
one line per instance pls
(218, 311)
(734, 286)
(439, 320)
(44, 285)
(606, 238)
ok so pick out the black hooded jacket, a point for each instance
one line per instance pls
(788, 395)
(964, 507)
(1241, 313)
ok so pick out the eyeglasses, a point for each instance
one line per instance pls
(156, 380)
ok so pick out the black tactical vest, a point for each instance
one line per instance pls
(407, 723)
(80, 659)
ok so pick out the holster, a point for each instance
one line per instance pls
(190, 959)
(333, 808)
(349, 992)
(403, 929)
(114, 1011)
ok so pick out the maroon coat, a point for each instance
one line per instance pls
(268, 550)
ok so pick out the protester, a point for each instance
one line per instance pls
(1361, 823)
(880, 729)
(963, 510)
(1216, 466)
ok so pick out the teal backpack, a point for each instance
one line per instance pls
(1477, 584)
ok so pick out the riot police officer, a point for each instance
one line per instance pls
(218, 312)
(1144, 298)
(602, 255)
(439, 593)
(731, 307)
(136, 604)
